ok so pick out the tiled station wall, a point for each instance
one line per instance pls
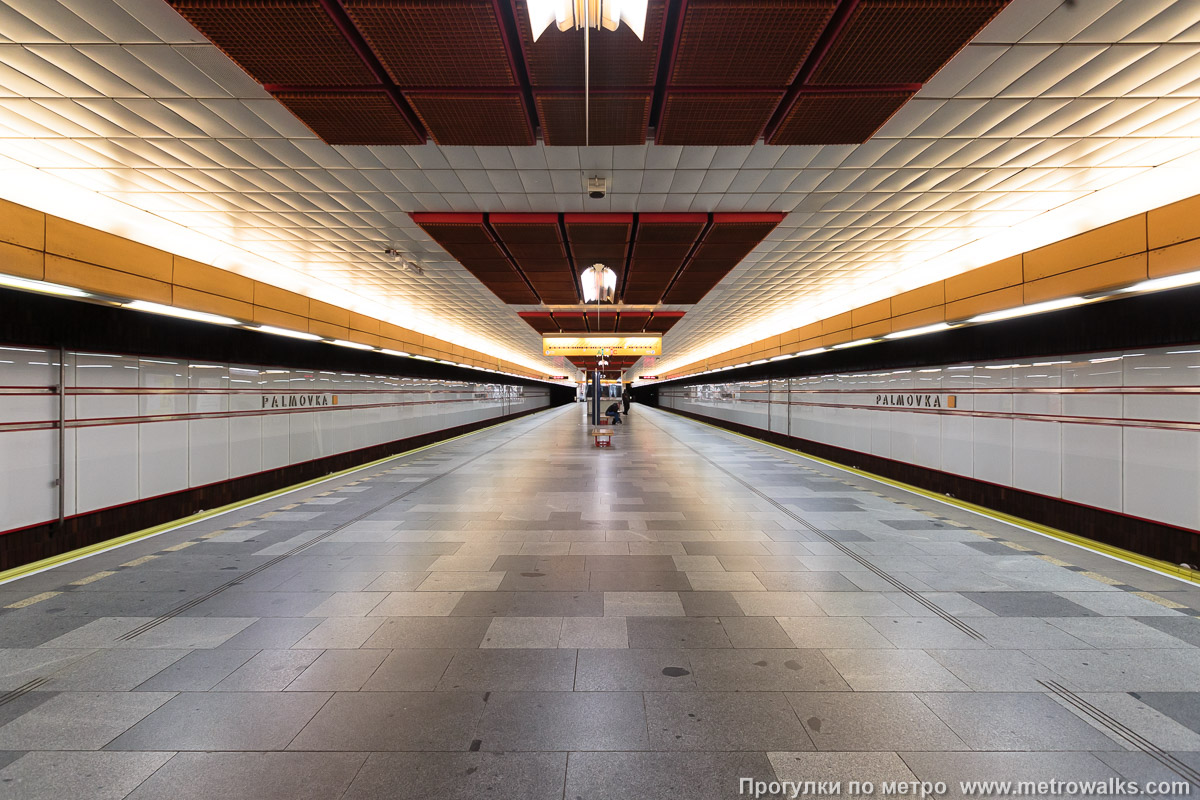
(1116, 431)
(140, 428)
(1158, 243)
(46, 248)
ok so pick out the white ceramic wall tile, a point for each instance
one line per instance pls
(1092, 458)
(1037, 457)
(210, 424)
(106, 466)
(1011, 424)
(28, 469)
(1162, 471)
(160, 469)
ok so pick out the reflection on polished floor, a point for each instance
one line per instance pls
(516, 614)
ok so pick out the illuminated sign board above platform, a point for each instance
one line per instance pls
(575, 345)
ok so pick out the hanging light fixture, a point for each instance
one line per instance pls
(599, 284)
(568, 14)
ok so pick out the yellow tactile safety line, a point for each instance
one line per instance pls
(110, 544)
(1162, 601)
(37, 598)
(1174, 570)
(92, 578)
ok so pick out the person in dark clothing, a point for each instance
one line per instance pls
(613, 412)
(626, 398)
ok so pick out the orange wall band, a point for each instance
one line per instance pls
(1158, 243)
(47, 248)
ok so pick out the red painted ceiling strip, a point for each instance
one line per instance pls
(436, 217)
(598, 218)
(511, 219)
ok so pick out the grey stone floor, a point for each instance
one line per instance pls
(517, 614)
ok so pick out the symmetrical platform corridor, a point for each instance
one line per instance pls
(517, 614)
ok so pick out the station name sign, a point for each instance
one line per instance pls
(917, 400)
(574, 345)
(299, 400)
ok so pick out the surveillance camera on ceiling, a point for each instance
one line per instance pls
(597, 187)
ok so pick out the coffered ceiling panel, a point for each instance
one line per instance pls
(665, 249)
(704, 72)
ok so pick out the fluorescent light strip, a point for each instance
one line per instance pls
(1169, 282)
(941, 326)
(1023, 311)
(352, 345)
(396, 353)
(311, 337)
(42, 287)
(855, 343)
(181, 313)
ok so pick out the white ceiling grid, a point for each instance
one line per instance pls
(1051, 103)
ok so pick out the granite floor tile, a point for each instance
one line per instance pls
(769, 670)
(1028, 604)
(594, 632)
(634, 671)
(112, 670)
(523, 632)
(409, 671)
(777, 604)
(710, 604)
(1183, 707)
(391, 721)
(417, 604)
(876, 768)
(543, 670)
(96, 776)
(550, 721)
(872, 722)
(459, 776)
(268, 671)
(338, 671)
(676, 632)
(642, 604)
(277, 633)
(884, 670)
(263, 776)
(723, 721)
(756, 632)
(662, 776)
(198, 671)
(429, 632)
(989, 670)
(79, 720)
(998, 721)
(340, 633)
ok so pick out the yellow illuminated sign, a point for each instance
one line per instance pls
(641, 345)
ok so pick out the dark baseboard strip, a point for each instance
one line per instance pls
(27, 545)
(1162, 542)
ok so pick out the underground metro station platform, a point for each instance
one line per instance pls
(564, 400)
